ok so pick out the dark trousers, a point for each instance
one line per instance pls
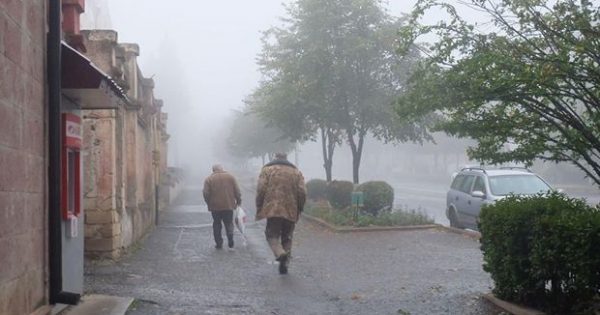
(279, 233)
(225, 216)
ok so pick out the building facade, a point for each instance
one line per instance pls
(23, 209)
(120, 158)
(124, 145)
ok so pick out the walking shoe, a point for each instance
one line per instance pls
(219, 246)
(230, 243)
(284, 260)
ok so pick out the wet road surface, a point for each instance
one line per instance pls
(177, 270)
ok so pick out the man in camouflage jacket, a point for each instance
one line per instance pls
(280, 199)
(222, 195)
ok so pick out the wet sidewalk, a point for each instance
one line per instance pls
(177, 270)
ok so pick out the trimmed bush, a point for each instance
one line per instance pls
(339, 193)
(345, 217)
(378, 195)
(543, 252)
(316, 189)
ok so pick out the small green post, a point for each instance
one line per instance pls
(357, 202)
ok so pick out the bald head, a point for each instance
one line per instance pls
(217, 168)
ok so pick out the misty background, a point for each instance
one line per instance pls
(202, 56)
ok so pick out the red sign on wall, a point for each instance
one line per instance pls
(71, 167)
(72, 131)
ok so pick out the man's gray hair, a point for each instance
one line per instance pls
(217, 168)
(281, 156)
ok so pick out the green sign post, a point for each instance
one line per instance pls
(357, 202)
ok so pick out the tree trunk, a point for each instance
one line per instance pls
(328, 167)
(356, 153)
(328, 146)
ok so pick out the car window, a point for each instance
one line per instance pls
(457, 181)
(517, 184)
(479, 184)
(467, 183)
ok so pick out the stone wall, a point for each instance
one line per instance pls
(119, 155)
(101, 196)
(23, 218)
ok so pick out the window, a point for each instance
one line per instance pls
(517, 184)
(457, 182)
(72, 157)
(467, 183)
(479, 185)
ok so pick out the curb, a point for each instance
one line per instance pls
(338, 229)
(510, 307)
(468, 233)
(97, 304)
(43, 310)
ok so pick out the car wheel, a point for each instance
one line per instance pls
(454, 219)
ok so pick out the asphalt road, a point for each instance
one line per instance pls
(426, 198)
(177, 270)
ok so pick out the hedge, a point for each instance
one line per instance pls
(544, 252)
(378, 195)
(316, 189)
(339, 193)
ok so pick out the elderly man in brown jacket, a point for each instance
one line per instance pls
(280, 198)
(222, 195)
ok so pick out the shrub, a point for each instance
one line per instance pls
(316, 189)
(341, 217)
(339, 193)
(378, 195)
(544, 252)
(345, 217)
(395, 218)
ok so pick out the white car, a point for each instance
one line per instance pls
(474, 187)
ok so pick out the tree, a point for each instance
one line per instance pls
(297, 62)
(530, 83)
(299, 119)
(250, 138)
(336, 60)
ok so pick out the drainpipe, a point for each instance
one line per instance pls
(54, 163)
(157, 165)
(54, 157)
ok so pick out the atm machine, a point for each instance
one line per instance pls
(71, 203)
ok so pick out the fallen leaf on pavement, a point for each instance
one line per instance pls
(356, 296)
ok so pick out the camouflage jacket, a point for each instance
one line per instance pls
(280, 191)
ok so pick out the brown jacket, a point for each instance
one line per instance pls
(221, 192)
(280, 191)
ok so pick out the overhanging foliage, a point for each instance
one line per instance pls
(529, 89)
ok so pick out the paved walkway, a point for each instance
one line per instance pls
(176, 270)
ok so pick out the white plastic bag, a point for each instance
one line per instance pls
(240, 220)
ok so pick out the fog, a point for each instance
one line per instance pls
(202, 56)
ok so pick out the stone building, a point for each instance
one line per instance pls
(41, 253)
(125, 158)
(23, 210)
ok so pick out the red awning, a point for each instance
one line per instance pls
(87, 85)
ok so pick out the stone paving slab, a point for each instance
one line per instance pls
(97, 304)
